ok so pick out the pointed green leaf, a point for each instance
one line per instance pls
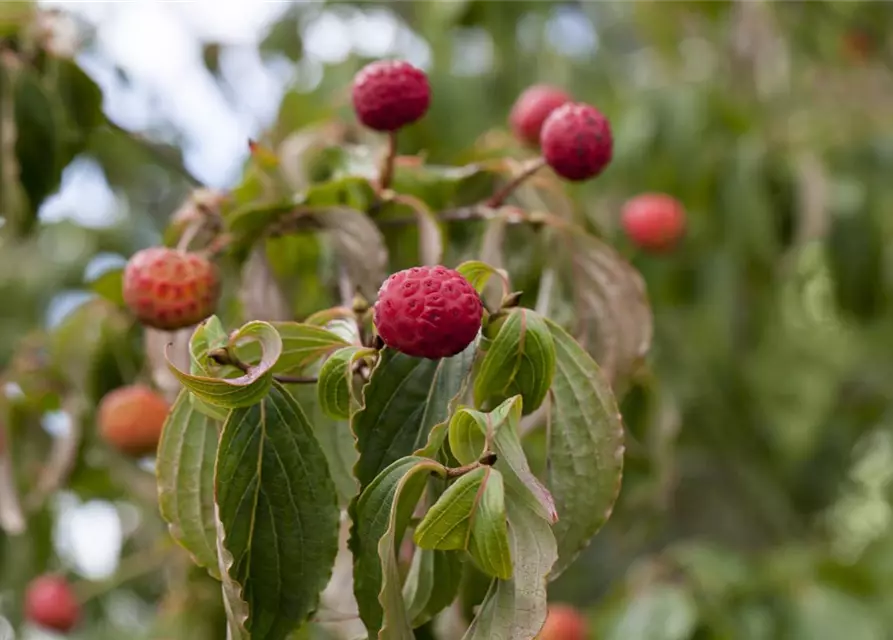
(515, 609)
(302, 345)
(447, 525)
(248, 388)
(519, 360)
(432, 584)
(185, 470)
(585, 447)
(335, 386)
(404, 399)
(472, 432)
(334, 437)
(479, 273)
(489, 546)
(278, 513)
(380, 516)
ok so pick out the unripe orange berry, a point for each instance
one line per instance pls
(131, 419)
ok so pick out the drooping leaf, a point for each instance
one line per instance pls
(432, 584)
(615, 322)
(259, 291)
(248, 388)
(489, 542)
(80, 95)
(109, 286)
(472, 433)
(185, 470)
(585, 447)
(515, 609)
(404, 399)
(335, 386)
(519, 360)
(359, 245)
(278, 512)
(447, 525)
(380, 516)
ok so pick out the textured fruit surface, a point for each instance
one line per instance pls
(563, 623)
(654, 221)
(390, 94)
(428, 312)
(169, 289)
(532, 108)
(131, 419)
(576, 141)
(50, 603)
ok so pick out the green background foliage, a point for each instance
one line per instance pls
(756, 492)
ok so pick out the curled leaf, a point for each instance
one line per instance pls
(479, 273)
(243, 390)
(335, 390)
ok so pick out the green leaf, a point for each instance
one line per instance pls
(447, 525)
(185, 470)
(334, 437)
(109, 286)
(404, 399)
(823, 613)
(519, 360)
(285, 36)
(380, 516)
(432, 584)
(359, 245)
(278, 511)
(585, 447)
(80, 95)
(246, 389)
(302, 345)
(472, 433)
(661, 612)
(335, 386)
(517, 608)
(479, 273)
(489, 546)
(38, 141)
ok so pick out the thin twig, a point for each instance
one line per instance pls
(500, 196)
(12, 520)
(487, 460)
(61, 460)
(226, 357)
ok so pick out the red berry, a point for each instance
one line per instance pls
(576, 141)
(654, 221)
(532, 108)
(131, 419)
(50, 603)
(428, 312)
(390, 94)
(563, 623)
(169, 289)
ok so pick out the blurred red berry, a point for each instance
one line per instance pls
(532, 108)
(390, 94)
(50, 603)
(563, 623)
(654, 221)
(576, 141)
(169, 289)
(428, 312)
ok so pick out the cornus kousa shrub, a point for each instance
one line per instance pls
(359, 359)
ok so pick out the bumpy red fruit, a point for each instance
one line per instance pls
(576, 141)
(131, 419)
(390, 94)
(169, 289)
(50, 603)
(563, 623)
(654, 221)
(532, 108)
(428, 312)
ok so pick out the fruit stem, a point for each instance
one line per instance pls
(387, 166)
(502, 194)
(486, 460)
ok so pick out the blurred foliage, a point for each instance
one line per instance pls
(756, 499)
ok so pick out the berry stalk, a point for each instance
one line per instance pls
(507, 189)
